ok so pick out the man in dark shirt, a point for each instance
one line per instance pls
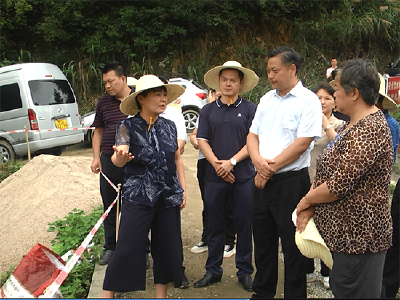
(223, 128)
(108, 115)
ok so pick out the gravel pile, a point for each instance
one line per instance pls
(44, 190)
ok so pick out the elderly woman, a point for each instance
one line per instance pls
(330, 125)
(153, 191)
(349, 198)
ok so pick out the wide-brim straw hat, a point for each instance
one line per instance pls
(131, 81)
(311, 244)
(388, 103)
(211, 78)
(129, 106)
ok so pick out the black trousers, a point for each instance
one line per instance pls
(357, 276)
(217, 195)
(272, 218)
(108, 195)
(230, 223)
(126, 270)
(391, 271)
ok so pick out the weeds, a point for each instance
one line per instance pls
(12, 166)
(71, 231)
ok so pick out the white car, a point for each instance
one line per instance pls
(191, 101)
(87, 121)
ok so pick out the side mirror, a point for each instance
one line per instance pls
(390, 65)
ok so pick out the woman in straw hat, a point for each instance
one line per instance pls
(153, 191)
(349, 195)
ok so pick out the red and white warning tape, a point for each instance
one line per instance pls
(46, 130)
(52, 289)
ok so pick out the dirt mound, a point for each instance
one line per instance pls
(44, 190)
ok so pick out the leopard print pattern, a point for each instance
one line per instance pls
(357, 168)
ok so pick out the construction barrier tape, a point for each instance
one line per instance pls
(46, 130)
(52, 289)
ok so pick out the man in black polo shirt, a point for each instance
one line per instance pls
(107, 117)
(223, 128)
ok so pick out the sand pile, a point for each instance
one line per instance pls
(44, 190)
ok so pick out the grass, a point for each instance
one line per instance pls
(7, 169)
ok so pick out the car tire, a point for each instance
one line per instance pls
(90, 135)
(190, 114)
(6, 152)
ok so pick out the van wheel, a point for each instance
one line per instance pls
(6, 152)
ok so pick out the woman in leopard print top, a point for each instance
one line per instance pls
(349, 198)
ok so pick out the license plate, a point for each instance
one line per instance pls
(61, 123)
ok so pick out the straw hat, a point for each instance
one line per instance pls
(388, 102)
(131, 81)
(250, 78)
(129, 106)
(311, 244)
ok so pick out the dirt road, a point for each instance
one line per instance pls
(191, 234)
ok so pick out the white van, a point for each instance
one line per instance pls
(39, 96)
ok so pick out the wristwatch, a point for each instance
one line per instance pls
(233, 161)
(327, 127)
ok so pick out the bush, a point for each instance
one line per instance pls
(71, 231)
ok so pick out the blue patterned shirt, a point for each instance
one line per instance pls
(152, 173)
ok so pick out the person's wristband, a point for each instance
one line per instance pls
(327, 127)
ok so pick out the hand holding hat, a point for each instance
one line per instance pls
(311, 244)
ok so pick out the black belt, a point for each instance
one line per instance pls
(288, 174)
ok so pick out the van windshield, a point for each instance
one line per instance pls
(51, 92)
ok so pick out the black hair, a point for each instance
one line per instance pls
(145, 92)
(241, 74)
(288, 56)
(324, 86)
(163, 79)
(360, 74)
(115, 66)
(334, 73)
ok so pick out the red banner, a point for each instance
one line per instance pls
(393, 88)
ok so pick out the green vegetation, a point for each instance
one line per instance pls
(186, 38)
(71, 232)
(6, 169)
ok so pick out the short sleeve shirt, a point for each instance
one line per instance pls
(152, 172)
(279, 121)
(226, 128)
(108, 115)
(357, 167)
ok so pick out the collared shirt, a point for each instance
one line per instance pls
(152, 172)
(175, 116)
(108, 115)
(279, 121)
(226, 128)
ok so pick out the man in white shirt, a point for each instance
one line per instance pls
(287, 121)
(333, 67)
(176, 116)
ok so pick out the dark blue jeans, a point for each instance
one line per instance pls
(217, 196)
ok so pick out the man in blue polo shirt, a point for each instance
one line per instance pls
(108, 115)
(223, 128)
